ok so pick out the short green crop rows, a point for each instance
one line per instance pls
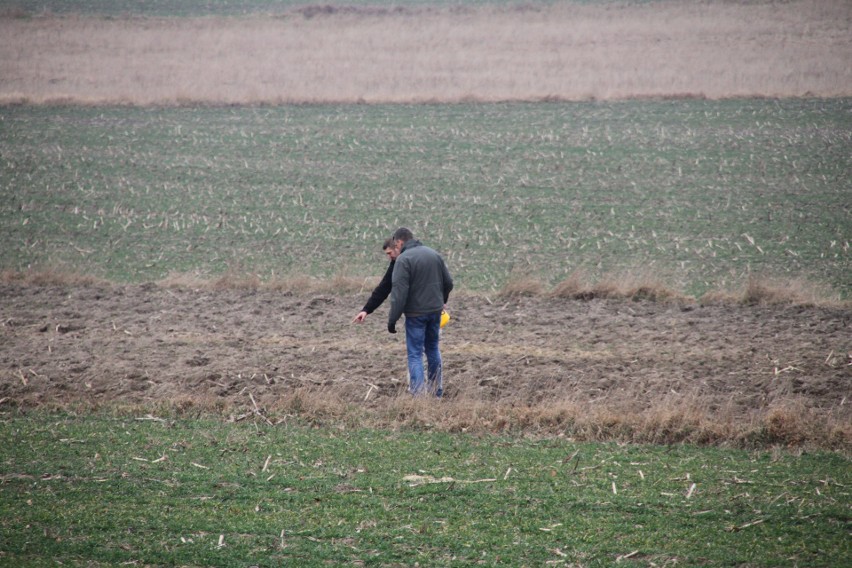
(147, 491)
(700, 193)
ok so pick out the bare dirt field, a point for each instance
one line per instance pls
(528, 51)
(592, 369)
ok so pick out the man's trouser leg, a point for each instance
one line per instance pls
(415, 339)
(435, 379)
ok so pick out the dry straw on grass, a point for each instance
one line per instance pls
(560, 51)
(635, 286)
(574, 287)
(578, 286)
(237, 280)
(628, 285)
(770, 291)
(521, 285)
(49, 277)
(787, 424)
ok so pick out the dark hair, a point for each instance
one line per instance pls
(387, 244)
(403, 234)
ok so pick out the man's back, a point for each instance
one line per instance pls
(421, 281)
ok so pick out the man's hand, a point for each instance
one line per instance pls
(391, 328)
(360, 317)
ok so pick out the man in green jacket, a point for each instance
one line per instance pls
(421, 286)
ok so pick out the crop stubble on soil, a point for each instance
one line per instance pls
(153, 345)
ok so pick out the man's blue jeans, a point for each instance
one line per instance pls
(422, 334)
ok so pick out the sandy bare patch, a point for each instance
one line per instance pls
(563, 52)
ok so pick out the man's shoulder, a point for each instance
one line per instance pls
(418, 252)
(421, 249)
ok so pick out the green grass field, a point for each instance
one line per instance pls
(701, 194)
(146, 491)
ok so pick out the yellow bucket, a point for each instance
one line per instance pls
(445, 317)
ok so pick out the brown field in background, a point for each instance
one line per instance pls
(563, 52)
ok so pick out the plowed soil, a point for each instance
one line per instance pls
(248, 350)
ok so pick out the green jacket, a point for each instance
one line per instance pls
(421, 282)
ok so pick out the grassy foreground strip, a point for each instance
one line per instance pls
(101, 490)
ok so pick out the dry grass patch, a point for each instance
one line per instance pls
(578, 286)
(763, 291)
(791, 423)
(50, 277)
(337, 284)
(637, 286)
(788, 424)
(629, 285)
(520, 285)
(236, 280)
(575, 287)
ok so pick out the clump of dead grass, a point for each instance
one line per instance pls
(629, 285)
(791, 423)
(763, 291)
(794, 291)
(184, 280)
(317, 405)
(575, 287)
(337, 284)
(236, 280)
(519, 285)
(635, 286)
(49, 277)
